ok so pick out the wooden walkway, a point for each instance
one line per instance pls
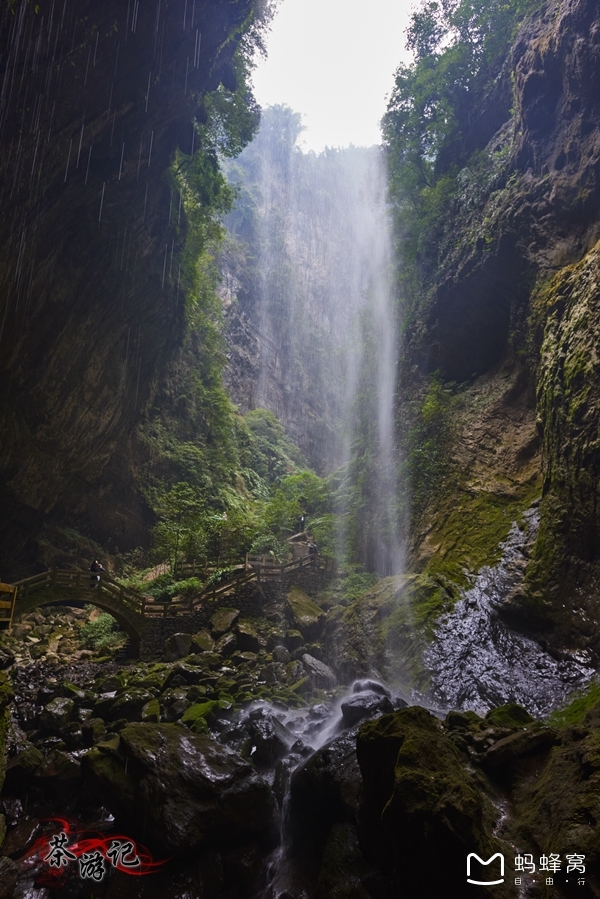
(129, 607)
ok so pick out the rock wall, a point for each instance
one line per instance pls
(510, 315)
(96, 98)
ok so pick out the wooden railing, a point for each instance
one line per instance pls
(100, 589)
(7, 605)
(64, 581)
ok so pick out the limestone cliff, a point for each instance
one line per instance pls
(96, 99)
(509, 314)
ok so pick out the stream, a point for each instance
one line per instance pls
(477, 662)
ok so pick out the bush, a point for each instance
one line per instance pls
(102, 633)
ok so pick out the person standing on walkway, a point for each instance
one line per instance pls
(97, 569)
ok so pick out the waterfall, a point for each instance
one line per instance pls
(317, 285)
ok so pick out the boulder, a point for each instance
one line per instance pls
(177, 646)
(20, 769)
(248, 637)
(505, 753)
(182, 790)
(418, 794)
(92, 730)
(129, 705)
(306, 615)
(202, 642)
(151, 711)
(281, 654)
(59, 774)
(271, 740)
(320, 674)
(9, 873)
(365, 705)
(56, 714)
(325, 789)
(223, 620)
(226, 645)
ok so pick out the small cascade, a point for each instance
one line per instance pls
(477, 662)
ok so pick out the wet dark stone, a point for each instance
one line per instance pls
(129, 705)
(92, 730)
(6, 659)
(29, 715)
(9, 873)
(505, 752)
(365, 705)
(177, 790)
(371, 686)
(324, 789)
(21, 837)
(20, 770)
(177, 647)
(271, 740)
(59, 775)
(320, 674)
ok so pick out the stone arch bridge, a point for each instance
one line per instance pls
(133, 611)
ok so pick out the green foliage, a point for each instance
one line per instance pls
(576, 710)
(102, 633)
(426, 455)
(460, 48)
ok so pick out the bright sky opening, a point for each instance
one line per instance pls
(334, 62)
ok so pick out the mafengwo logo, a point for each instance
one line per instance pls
(472, 856)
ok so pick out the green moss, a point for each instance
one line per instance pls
(575, 711)
(510, 715)
(200, 710)
(470, 534)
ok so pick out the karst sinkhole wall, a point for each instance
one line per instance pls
(95, 98)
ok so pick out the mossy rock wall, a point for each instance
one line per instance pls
(565, 559)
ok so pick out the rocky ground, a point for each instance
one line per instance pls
(238, 767)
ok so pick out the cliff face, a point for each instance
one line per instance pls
(96, 99)
(511, 313)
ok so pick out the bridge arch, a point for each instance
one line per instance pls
(65, 587)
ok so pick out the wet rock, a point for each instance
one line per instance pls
(281, 654)
(183, 674)
(226, 645)
(343, 867)
(320, 674)
(506, 752)
(418, 793)
(510, 715)
(59, 774)
(202, 642)
(176, 710)
(306, 615)
(371, 686)
(20, 770)
(92, 731)
(109, 684)
(56, 714)
(293, 639)
(72, 735)
(177, 647)
(20, 838)
(223, 620)
(182, 789)
(365, 705)
(9, 874)
(325, 789)
(271, 740)
(151, 711)
(129, 705)
(248, 637)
